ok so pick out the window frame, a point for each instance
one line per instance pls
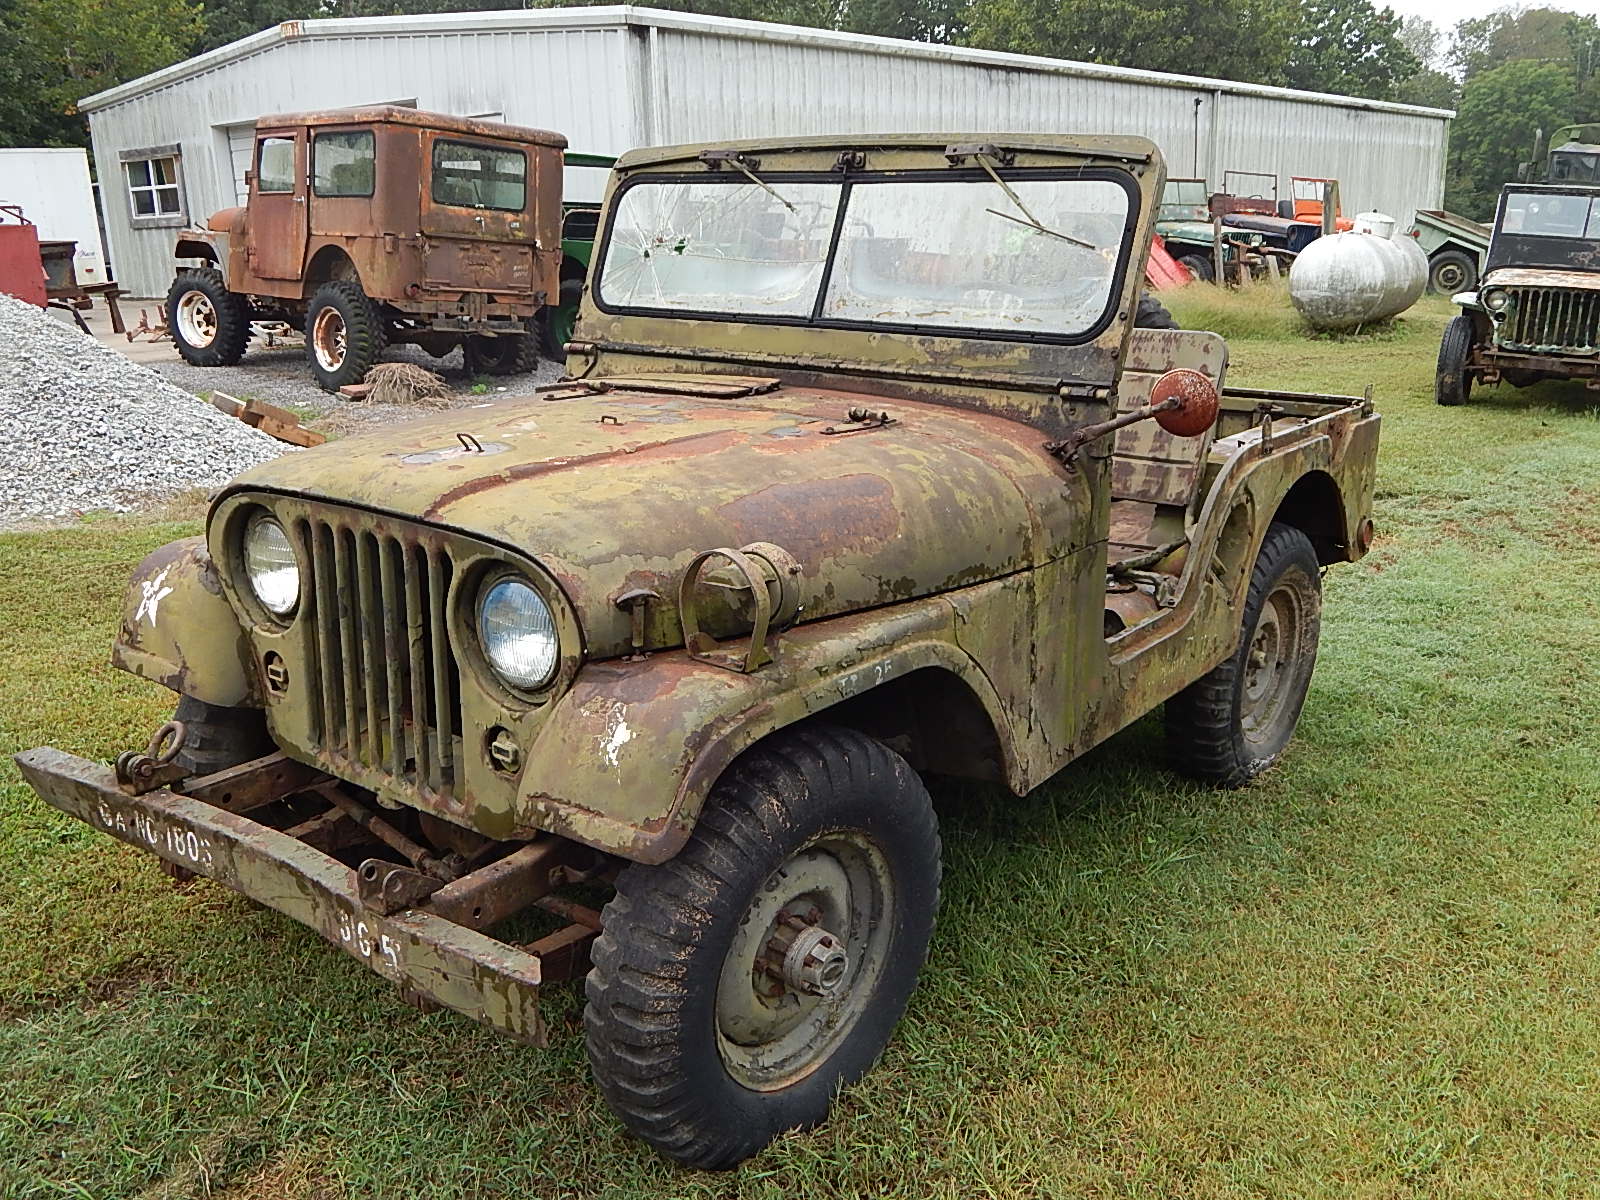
(261, 146)
(150, 155)
(372, 185)
(433, 173)
(1108, 314)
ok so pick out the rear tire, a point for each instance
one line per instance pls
(500, 354)
(1452, 271)
(1234, 722)
(217, 737)
(700, 1039)
(210, 325)
(1453, 384)
(556, 323)
(345, 334)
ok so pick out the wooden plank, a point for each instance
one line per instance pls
(356, 391)
(225, 403)
(293, 433)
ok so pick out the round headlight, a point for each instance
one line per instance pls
(270, 566)
(1495, 300)
(518, 633)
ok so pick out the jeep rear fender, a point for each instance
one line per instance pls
(632, 750)
(178, 630)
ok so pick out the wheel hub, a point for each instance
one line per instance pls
(1269, 664)
(804, 957)
(328, 339)
(197, 319)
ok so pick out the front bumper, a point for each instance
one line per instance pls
(438, 959)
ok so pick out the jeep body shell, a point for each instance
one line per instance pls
(417, 254)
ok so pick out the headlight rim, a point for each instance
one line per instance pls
(491, 579)
(281, 618)
(1489, 297)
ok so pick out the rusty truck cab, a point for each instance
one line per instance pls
(422, 207)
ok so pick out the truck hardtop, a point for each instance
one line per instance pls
(1535, 314)
(368, 227)
(862, 471)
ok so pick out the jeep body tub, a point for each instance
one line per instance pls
(922, 507)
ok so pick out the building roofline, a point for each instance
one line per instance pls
(624, 15)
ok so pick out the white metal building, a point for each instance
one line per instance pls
(172, 147)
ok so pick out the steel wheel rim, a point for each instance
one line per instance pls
(197, 319)
(769, 1033)
(1272, 662)
(1449, 277)
(328, 339)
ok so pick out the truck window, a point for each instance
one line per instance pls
(1547, 214)
(342, 163)
(275, 165)
(471, 175)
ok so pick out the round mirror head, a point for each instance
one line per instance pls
(1197, 402)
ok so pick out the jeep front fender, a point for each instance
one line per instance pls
(626, 760)
(179, 631)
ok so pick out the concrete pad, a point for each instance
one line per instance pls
(141, 350)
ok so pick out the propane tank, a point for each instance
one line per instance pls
(1349, 279)
(1379, 223)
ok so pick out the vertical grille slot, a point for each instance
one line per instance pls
(385, 697)
(1556, 320)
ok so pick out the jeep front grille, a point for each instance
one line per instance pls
(385, 693)
(1551, 320)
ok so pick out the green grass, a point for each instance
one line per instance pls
(1371, 974)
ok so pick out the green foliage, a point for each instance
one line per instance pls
(1349, 47)
(1502, 111)
(55, 52)
(1247, 40)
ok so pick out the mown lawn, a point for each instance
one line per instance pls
(1372, 974)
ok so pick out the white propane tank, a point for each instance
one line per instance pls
(1348, 279)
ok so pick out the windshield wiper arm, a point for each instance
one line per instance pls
(736, 161)
(1032, 222)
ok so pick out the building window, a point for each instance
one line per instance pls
(342, 163)
(155, 186)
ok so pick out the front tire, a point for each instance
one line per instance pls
(210, 325)
(345, 334)
(1234, 722)
(217, 737)
(738, 985)
(1201, 267)
(1453, 383)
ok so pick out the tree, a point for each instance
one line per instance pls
(1503, 109)
(1247, 40)
(1350, 47)
(59, 51)
(1509, 34)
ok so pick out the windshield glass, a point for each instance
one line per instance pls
(1032, 256)
(1185, 200)
(1545, 214)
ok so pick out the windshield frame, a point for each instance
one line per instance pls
(776, 179)
(1514, 248)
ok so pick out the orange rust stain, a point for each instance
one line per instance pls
(823, 516)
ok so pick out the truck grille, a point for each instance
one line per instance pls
(1551, 320)
(385, 697)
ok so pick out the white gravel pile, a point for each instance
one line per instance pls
(83, 428)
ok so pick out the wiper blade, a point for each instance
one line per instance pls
(1032, 222)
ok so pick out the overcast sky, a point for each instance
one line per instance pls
(1445, 13)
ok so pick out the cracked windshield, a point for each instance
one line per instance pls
(1024, 256)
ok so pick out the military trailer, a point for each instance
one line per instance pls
(373, 226)
(862, 472)
(1535, 314)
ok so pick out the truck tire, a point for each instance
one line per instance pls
(1233, 723)
(1452, 271)
(500, 354)
(1200, 266)
(1453, 383)
(555, 323)
(1152, 314)
(701, 1052)
(345, 334)
(210, 325)
(216, 737)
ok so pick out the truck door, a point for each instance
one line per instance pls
(277, 239)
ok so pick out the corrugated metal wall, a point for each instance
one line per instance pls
(614, 79)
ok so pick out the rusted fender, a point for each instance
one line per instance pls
(179, 631)
(629, 754)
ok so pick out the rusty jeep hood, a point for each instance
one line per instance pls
(617, 491)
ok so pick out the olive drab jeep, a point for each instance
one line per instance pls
(368, 227)
(1535, 314)
(861, 471)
